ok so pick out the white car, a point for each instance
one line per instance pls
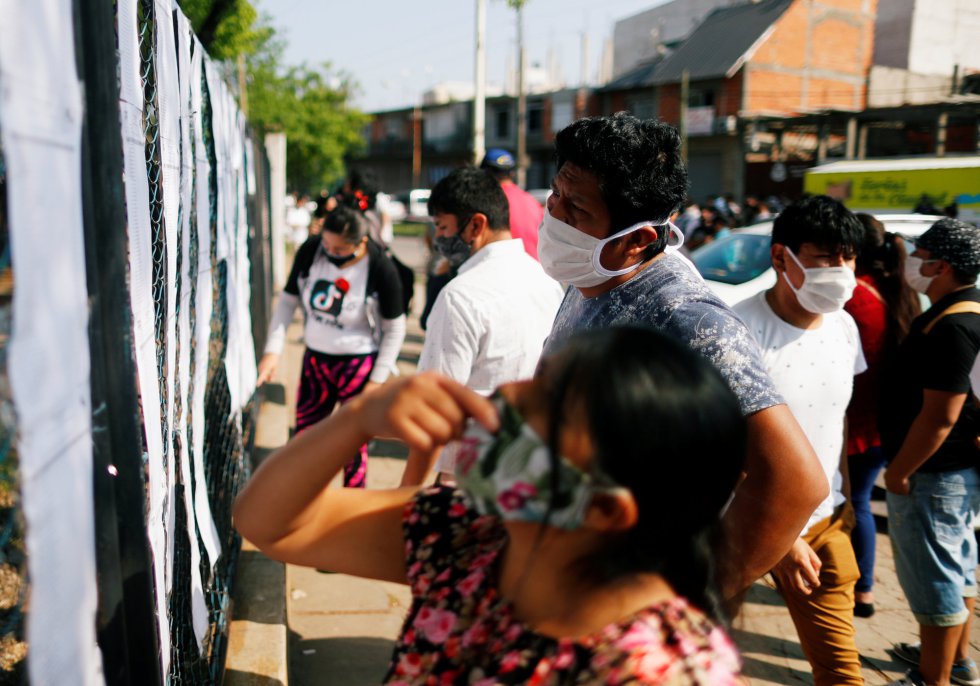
(416, 202)
(738, 266)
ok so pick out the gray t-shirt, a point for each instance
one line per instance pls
(669, 297)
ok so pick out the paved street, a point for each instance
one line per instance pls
(341, 629)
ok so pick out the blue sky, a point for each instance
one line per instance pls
(396, 49)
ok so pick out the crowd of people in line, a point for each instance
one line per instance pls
(603, 456)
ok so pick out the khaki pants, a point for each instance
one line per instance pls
(825, 619)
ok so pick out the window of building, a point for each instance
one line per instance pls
(701, 97)
(642, 106)
(535, 117)
(501, 122)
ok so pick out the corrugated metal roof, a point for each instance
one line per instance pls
(637, 77)
(720, 41)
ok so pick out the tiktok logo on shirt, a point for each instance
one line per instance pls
(327, 300)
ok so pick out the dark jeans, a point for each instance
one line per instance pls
(863, 469)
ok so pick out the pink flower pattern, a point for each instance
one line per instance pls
(461, 631)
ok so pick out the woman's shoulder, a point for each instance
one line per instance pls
(445, 534)
(669, 643)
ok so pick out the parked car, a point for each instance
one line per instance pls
(738, 266)
(395, 208)
(416, 202)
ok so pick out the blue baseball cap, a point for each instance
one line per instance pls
(499, 159)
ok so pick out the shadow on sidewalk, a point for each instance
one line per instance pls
(251, 678)
(361, 660)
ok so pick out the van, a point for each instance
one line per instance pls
(898, 185)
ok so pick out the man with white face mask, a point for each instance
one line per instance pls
(606, 234)
(812, 350)
(929, 426)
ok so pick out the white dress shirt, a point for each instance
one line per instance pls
(488, 324)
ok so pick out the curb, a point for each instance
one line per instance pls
(258, 632)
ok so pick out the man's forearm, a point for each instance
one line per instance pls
(784, 484)
(921, 443)
(928, 431)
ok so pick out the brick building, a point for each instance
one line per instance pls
(768, 58)
(772, 88)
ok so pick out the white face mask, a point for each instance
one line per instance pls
(824, 289)
(913, 274)
(573, 257)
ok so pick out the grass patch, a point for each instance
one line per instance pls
(410, 229)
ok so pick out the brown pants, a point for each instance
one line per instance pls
(825, 619)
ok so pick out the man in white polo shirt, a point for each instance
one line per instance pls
(488, 325)
(812, 351)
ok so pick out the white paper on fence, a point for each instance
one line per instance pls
(248, 368)
(219, 129)
(203, 307)
(141, 294)
(233, 296)
(167, 91)
(199, 607)
(223, 112)
(49, 362)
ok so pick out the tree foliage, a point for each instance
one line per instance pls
(227, 28)
(310, 105)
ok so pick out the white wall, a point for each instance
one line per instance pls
(944, 33)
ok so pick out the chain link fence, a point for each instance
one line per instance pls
(204, 459)
(227, 433)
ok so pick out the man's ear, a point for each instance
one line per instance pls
(612, 511)
(777, 254)
(639, 240)
(478, 225)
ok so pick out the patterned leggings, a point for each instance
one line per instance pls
(325, 381)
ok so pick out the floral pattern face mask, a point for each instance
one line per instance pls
(509, 474)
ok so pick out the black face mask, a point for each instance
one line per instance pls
(339, 260)
(453, 248)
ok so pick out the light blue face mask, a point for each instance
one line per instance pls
(509, 475)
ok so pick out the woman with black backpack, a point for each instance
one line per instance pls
(354, 312)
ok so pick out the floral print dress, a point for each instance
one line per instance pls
(460, 630)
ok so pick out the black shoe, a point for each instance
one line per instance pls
(864, 610)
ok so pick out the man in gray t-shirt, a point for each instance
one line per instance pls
(670, 297)
(605, 234)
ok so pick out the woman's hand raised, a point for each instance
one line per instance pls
(425, 411)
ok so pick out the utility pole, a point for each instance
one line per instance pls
(521, 102)
(682, 129)
(480, 84)
(242, 85)
(416, 146)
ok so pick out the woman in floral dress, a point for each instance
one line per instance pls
(582, 541)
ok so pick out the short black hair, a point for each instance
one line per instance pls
(347, 223)
(469, 190)
(821, 220)
(642, 176)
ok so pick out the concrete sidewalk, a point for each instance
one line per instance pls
(341, 629)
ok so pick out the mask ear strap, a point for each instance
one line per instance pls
(675, 237)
